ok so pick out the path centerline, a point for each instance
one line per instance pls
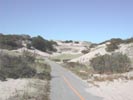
(72, 88)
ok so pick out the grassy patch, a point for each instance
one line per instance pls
(43, 70)
(64, 57)
(34, 89)
(79, 69)
(114, 63)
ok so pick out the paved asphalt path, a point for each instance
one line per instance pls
(66, 86)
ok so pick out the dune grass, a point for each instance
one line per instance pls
(26, 67)
(79, 69)
(62, 57)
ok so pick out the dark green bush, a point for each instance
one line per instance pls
(85, 51)
(77, 42)
(44, 75)
(93, 45)
(42, 44)
(114, 63)
(27, 56)
(12, 41)
(28, 46)
(115, 42)
(68, 41)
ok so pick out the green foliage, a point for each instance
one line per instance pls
(130, 40)
(10, 42)
(65, 57)
(85, 51)
(30, 57)
(77, 68)
(93, 45)
(68, 41)
(15, 67)
(114, 63)
(115, 42)
(43, 71)
(24, 66)
(53, 42)
(42, 44)
(28, 46)
(77, 42)
(39, 43)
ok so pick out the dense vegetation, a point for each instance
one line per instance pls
(42, 44)
(68, 41)
(85, 51)
(12, 41)
(23, 66)
(114, 63)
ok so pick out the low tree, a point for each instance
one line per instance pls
(42, 44)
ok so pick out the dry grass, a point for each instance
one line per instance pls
(111, 77)
(35, 90)
(63, 57)
(79, 69)
(38, 86)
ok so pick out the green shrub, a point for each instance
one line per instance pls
(44, 75)
(42, 44)
(111, 47)
(43, 71)
(130, 40)
(10, 42)
(114, 63)
(28, 56)
(15, 67)
(77, 68)
(93, 45)
(115, 42)
(28, 46)
(77, 42)
(68, 41)
(85, 51)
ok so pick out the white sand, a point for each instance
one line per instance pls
(117, 90)
(85, 58)
(18, 87)
(10, 87)
(44, 54)
(101, 49)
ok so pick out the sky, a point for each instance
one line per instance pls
(84, 20)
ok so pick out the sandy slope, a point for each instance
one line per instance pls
(44, 54)
(9, 88)
(85, 58)
(117, 90)
(12, 88)
(72, 48)
(100, 49)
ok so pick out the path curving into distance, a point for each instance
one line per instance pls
(66, 86)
